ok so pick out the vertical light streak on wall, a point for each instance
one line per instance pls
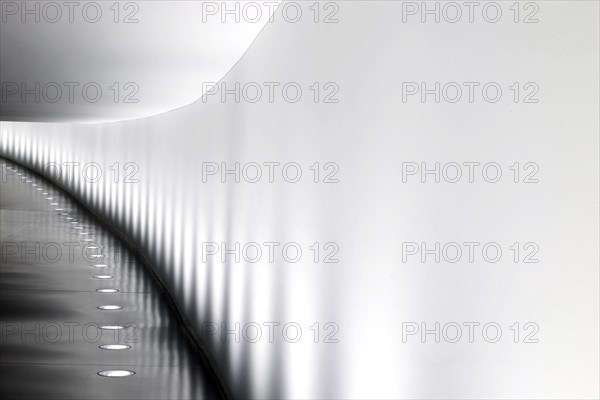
(187, 248)
(19, 149)
(120, 204)
(159, 228)
(129, 213)
(32, 146)
(188, 253)
(39, 151)
(173, 223)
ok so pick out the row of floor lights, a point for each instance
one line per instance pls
(78, 229)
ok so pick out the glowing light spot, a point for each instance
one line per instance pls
(115, 347)
(116, 373)
(109, 307)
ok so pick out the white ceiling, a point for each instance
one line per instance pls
(166, 56)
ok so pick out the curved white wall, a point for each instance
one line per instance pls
(370, 212)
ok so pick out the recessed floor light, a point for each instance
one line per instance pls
(103, 276)
(34, 184)
(45, 193)
(107, 290)
(73, 222)
(110, 307)
(96, 255)
(115, 347)
(83, 233)
(49, 198)
(87, 240)
(29, 181)
(111, 327)
(53, 204)
(78, 227)
(39, 189)
(116, 373)
(100, 265)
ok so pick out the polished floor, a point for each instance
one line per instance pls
(80, 316)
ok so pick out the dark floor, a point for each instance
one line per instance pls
(53, 258)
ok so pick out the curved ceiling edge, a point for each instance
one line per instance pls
(133, 62)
